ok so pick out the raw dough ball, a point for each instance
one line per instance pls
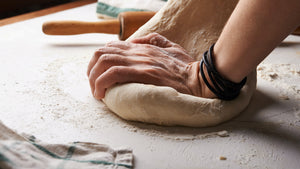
(166, 106)
(195, 25)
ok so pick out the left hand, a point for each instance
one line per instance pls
(152, 59)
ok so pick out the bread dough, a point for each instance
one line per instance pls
(195, 25)
(166, 106)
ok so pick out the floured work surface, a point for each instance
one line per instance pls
(45, 92)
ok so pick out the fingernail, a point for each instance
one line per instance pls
(153, 41)
(96, 94)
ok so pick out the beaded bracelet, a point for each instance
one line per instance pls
(224, 89)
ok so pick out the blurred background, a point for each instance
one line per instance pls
(9, 8)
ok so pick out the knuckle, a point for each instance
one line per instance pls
(101, 49)
(154, 41)
(98, 83)
(109, 60)
(91, 79)
(99, 52)
(110, 44)
(159, 38)
(118, 44)
(105, 58)
(114, 71)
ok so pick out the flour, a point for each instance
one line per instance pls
(67, 98)
(285, 77)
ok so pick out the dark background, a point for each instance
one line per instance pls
(9, 8)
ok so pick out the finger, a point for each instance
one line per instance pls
(105, 62)
(154, 39)
(100, 52)
(122, 74)
(108, 61)
(119, 44)
(117, 74)
(144, 39)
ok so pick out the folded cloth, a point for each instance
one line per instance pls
(21, 152)
(111, 8)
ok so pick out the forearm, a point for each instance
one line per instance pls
(255, 28)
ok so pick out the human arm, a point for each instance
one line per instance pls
(254, 29)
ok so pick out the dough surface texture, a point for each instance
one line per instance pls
(195, 25)
(166, 106)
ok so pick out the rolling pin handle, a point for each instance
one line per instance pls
(132, 21)
(80, 27)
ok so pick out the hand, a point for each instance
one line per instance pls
(152, 59)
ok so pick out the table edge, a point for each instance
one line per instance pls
(44, 12)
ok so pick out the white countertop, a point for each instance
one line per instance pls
(45, 92)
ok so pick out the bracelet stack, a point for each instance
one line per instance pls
(224, 89)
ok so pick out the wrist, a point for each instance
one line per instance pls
(227, 63)
(196, 83)
(193, 82)
(223, 88)
(205, 91)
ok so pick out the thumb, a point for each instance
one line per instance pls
(154, 39)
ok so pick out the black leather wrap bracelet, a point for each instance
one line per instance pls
(224, 89)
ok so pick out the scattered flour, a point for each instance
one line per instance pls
(285, 77)
(66, 97)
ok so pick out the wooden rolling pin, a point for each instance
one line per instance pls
(126, 24)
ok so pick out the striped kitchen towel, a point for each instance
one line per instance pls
(24, 152)
(111, 8)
